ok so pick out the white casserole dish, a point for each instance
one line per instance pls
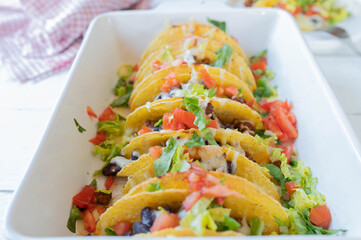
(64, 163)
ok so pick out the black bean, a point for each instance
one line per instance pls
(229, 167)
(159, 96)
(129, 233)
(167, 208)
(111, 169)
(157, 129)
(148, 216)
(148, 123)
(135, 155)
(228, 125)
(140, 227)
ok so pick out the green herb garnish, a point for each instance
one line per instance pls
(75, 214)
(162, 164)
(224, 54)
(195, 141)
(80, 128)
(219, 24)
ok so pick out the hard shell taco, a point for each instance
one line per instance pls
(196, 201)
(182, 31)
(177, 157)
(245, 144)
(194, 80)
(197, 50)
(191, 112)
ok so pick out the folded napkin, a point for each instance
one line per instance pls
(43, 36)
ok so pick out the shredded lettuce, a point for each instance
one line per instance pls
(266, 137)
(199, 90)
(205, 214)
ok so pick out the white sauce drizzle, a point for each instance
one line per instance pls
(234, 162)
(120, 161)
(209, 33)
(147, 105)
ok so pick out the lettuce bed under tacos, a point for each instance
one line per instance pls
(207, 149)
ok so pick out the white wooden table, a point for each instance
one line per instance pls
(26, 108)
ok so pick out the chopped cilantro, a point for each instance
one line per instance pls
(93, 183)
(75, 214)
(80, 128)
(219, 24)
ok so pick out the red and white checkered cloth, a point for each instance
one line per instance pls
(42, 37)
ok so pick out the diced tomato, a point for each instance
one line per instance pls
(177, 62)
(280, 120)
(321, 216)
(284, 124)
(99, 138)
(196, 167)
(211, 180)
(258, 66)
(231, 91)
(195, 181)
(157, 65)
(291, 187)
(268, 105)
(155, 152)
(208, 81)
(250, 103)
(287, 151)
(219, 190)
(170, 81)
(220, 200)
(132, 77)
(84, 197)
(190, 200)
(144, 130)
(270, 124)
(107, 115)
(90, 112)
(135, 68)
(89, 221)
(100, 210)
(185, 117)
(213, 124)
(292, 118)
(169, 123)
(220, 91)
(165, 220)
(109, 182)
(121, 228)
